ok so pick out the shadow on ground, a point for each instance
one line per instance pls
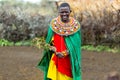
(19, 63)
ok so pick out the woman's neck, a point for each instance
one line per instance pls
(65, 21)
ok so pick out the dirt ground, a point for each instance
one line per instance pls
(19, 63)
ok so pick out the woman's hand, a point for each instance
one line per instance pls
(53, 48)
(59, 54)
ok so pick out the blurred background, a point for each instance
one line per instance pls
(23, 22)
(26, 19)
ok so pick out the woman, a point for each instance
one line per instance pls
(64, 61)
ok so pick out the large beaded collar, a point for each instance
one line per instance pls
(65, 29)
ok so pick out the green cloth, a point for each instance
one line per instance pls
(73, 43)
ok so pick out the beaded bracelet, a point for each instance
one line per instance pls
(65, 52)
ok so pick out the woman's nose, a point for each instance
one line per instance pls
(64, 13)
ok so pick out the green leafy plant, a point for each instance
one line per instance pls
(100, 48)
(24, 43)
(41, 43)
(4, 42)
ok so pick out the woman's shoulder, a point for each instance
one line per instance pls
(53, 21)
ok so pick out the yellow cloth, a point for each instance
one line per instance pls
(54, 74)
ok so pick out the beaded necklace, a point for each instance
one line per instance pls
(65, 29)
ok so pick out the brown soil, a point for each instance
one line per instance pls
(19, 63)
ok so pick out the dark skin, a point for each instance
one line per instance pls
(64, 13)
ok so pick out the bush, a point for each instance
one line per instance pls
(4, 42)
(100, 21)
(100, 48)
(18, 24)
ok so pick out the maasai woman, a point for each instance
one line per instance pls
(65, 39)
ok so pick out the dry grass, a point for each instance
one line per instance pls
(99, 19)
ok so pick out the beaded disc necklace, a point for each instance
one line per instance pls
(65, 29)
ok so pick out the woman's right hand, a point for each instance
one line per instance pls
(53, 48)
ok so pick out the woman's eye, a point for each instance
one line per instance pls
(64, 12)
(61, 12)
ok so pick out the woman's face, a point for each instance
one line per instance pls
(64, 13)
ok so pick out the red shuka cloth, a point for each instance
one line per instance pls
(63, 64)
